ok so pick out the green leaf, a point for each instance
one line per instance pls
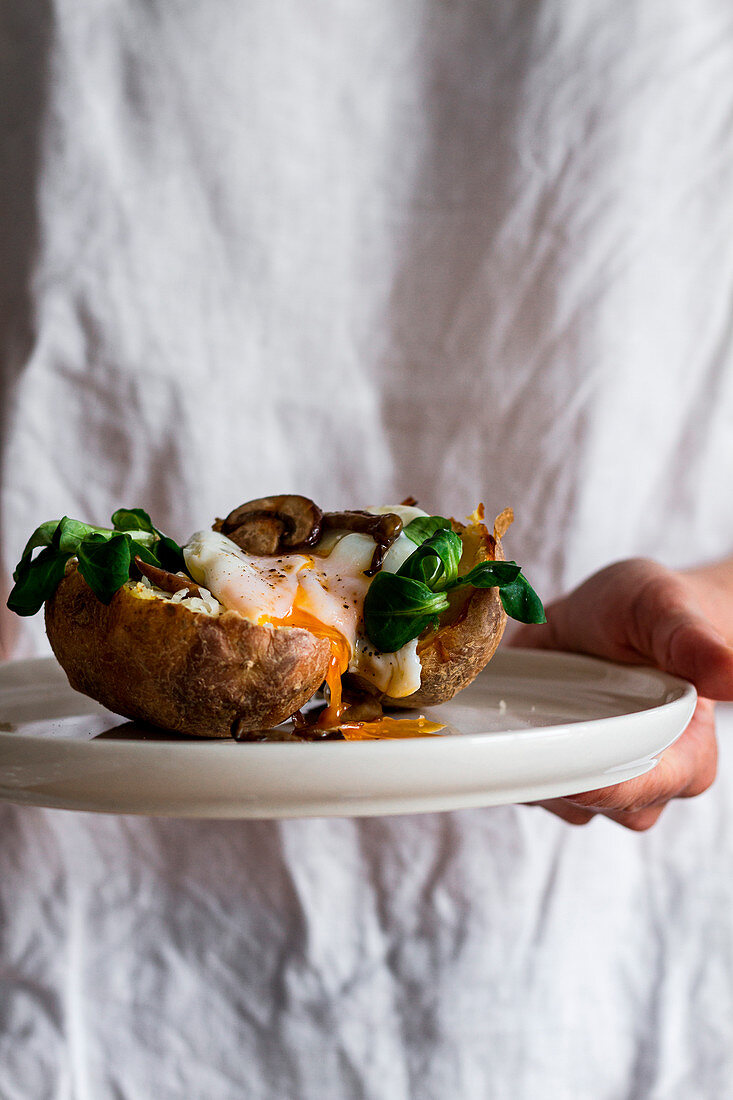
(136, 521)
(42, 536)
(105, 564)
(139, 549)
(422, 527)
(36, 581)
(398, 609)
(489, 574)
(427, 568)
(105, 555)
(519, 599)
(435, 562)
(399, 606)
(169, 554)
(521, 602)
(132, 519)
(70, 534)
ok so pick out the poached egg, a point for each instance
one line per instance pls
(322, 591)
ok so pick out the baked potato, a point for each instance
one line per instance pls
(148, 658)
(275, 600)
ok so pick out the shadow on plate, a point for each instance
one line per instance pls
(141, 731)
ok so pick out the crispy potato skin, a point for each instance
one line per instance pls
(160, 662)
(453, 656)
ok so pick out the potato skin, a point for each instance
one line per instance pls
(156, 661)
(453, 656)
(160, 662)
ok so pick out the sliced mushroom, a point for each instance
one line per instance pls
(165, 581)
(384, 529)
(257, 533)
(273, 525)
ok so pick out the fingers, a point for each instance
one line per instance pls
(560, 807)
(667, 628)
(684, 770)
(696, 752)
(637, 611)
(639, 821)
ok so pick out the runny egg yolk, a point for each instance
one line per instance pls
(338, 663)
(329, 718)
(386, 727)
(323, 594)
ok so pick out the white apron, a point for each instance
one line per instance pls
(465, 251)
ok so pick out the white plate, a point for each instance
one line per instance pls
(533, 725)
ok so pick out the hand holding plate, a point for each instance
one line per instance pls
(639, 612)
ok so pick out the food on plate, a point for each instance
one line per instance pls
(237, 630)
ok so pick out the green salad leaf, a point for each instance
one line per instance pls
(42, 536)
(521, 602)
(399, 606)
(105, 555)
(422, 527)
(435, 562)
(104, 563)
(491, 574)
(36, 580)
(132, 519)
(168, 554)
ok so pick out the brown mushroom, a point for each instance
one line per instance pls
(273, 525)
(167, 582)
(383, 528)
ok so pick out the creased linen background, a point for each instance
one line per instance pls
(465, 251)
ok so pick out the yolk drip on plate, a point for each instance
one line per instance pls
(330, 717)
(386, 727)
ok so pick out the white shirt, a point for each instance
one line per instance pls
(468, 252)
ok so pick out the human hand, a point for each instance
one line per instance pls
(639, 612)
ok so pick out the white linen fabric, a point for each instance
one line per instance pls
(466, 251)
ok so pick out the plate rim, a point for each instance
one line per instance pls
(319, 779)
(686, 696)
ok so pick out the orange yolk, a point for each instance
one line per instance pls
(384, 727)
(337, 665)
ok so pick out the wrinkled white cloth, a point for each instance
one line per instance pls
(465, 251)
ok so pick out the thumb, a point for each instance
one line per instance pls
(640, 612)
(666, 627)
(684, 644)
